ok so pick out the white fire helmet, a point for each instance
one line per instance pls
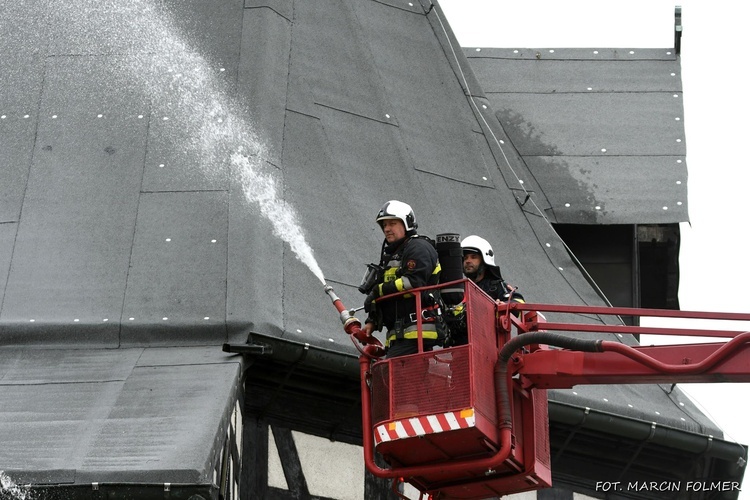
(481, 246)
(395, 209)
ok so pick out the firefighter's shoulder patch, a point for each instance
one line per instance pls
(411, 264)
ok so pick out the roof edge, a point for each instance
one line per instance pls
(657, 433)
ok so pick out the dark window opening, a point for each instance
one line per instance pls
(632, 266)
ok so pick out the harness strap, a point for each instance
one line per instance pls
(429, 331)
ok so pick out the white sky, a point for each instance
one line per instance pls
(714, 274)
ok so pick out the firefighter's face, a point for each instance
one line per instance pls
(472, 261)
(393, 229)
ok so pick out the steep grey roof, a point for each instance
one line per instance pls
(596, 127)
(152, 154)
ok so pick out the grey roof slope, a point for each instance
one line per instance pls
(131, 415)
(144, 150)
(596, 127)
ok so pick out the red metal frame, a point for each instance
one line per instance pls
(453, 467)
(508, 445)
(485, 457)
(621, 363)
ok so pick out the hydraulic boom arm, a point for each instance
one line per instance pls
(611, 362)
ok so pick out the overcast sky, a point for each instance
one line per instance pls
(714, 274)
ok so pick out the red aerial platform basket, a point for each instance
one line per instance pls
(434, 416)
(470, 421)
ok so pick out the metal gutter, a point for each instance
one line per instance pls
(298, 353)
(641, 430)
(145, 491)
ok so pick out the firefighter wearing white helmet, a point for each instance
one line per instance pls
(479, 267)
(407, 261)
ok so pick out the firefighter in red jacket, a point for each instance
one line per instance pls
(407, 261)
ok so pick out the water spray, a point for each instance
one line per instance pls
(11, 490)
(193, 90)
(370, 346)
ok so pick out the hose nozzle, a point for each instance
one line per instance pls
(346, 317)
(329, 290)
(352, 326)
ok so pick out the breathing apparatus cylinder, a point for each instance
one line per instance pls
(451, 257)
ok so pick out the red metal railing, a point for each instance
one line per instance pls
(401, 379)
(625, 311)
(495, 354)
